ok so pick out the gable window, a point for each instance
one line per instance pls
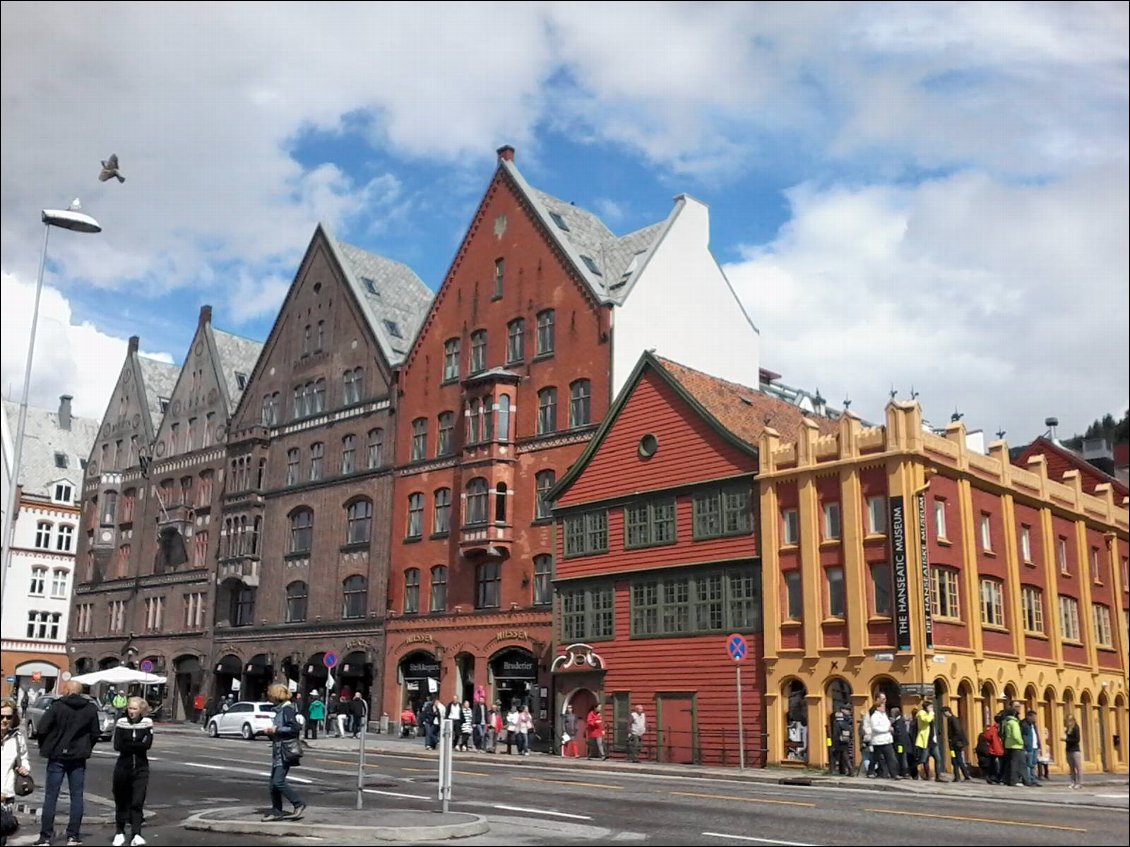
(296, 594)
(543, 579)
(445, 444)
(649, 524)
(442, 517)
(580, 403)
(587, 614)
(837, 605)
(43, 535)
(515, 341)
(359, 519)
(832, 522)
(790, 520)
(63, 492)
(411, 591)
(488, 585)
(451, 359)
(499, 276)
(419, 439)
(351, 386)
(349, 454)
(65, 538)
(881, 588)
(355, 593)
(586, 533)
(376, 448)
(307, 340)
(292, 460)
(61, 460)
(876, 515)
(1069, 618)
(301, 531)
(722, 512)
(944, 594)
(543, 481)
(992, 602)
(415, 515)
(547, 410)
(545, 340)
(439, 589)
(1032, 600)
(477, 496)
(317, 455)
(793, 596)
(478, 350)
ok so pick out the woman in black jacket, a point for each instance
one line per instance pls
(133, 736)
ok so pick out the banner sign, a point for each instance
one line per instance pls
(899, 572)
(927, 616)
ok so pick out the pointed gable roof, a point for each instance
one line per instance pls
(1060, 460)
(159, 379)
(738, 413)
(236, 355)
(47, 445)
(392, 296)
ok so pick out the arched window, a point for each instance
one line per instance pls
(319, 397)
(504, 417)
(348, 454)
(500, 503)
(476, 502)
(515, 341)
(415, 515)
(292, 460)
(543, 579)
(317, 460)
(360, 522)
(547, 410)
(411, 591)
(419, 439)
(580, 403)
(439, 588)
(352, 386)
(445, 445)
(43, 535)
(354, 592)
(478, 350)
(296, 594)
(301, 530)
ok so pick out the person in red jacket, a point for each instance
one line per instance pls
(990, 753)
(595, 724)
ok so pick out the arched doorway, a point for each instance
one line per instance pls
(988, 702)
(837, 694)
(187, 686)
(1087, 733)
(418, 674)
(40, 677)
(155, 695)
(941, 701)
(796, 721)
(966, 713)
(464, 685)
(890, 689)
(1051, 726)
(515, 673)
(107, 662)
(315, 675)
(356, 674)
(582, 700)
(226, 677)
(257, 676)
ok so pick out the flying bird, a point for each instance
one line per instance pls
(110, 169)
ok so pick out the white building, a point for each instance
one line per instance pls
(37, 596)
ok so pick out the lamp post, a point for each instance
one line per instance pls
(74, 219)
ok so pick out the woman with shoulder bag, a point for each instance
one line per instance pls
(14, 761)
(284, 729)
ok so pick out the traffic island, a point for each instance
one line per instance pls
(338, 825)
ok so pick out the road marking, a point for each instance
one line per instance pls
(397, 794)
(979, 820)
(570, 782)
(420, 770)
(473, 773)
(202, 765)
(743, 799)
(759, 840)
(542, 812)
(240, 771)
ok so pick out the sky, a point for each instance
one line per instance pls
(907, 197)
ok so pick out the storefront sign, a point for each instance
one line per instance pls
(421, 669)
(899, 572)
(927, 616)
(510, 635)
(516, 668)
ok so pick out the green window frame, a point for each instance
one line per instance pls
(649, 524)
(587, 614)
(718, 600)
(722, 511)
(586, 533)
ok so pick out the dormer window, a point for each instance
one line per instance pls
(370, 286)
(240, 380)
(590, 263)
(393, 328)
(61, 460)
(560, 221)
(164, 401)
(63, 492)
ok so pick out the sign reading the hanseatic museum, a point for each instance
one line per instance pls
(927, 616)
(899, 572)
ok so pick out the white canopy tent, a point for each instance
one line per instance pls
(120, 675)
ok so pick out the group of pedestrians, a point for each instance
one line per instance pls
(1015, 751)
(477, 726)
(898, 746)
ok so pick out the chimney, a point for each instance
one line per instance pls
(205, 315)
(134, 343)
(506, 153)
(65, 411)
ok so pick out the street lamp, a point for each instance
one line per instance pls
(74, 219)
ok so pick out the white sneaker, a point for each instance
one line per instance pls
(119, 839)
(138, 841)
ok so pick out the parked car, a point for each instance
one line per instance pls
(36, 711)
(247, 719)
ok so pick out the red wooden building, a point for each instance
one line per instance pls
(658, 562)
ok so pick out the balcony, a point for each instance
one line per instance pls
(492, 541)
(179, 516)
(243, 568)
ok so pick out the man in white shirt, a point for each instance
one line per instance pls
(637, 726)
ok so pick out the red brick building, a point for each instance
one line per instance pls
(659, 561)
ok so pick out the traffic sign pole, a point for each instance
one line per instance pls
(738, 650)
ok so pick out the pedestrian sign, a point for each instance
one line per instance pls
(330, 659)
(737, 648)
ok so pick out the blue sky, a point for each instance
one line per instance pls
(928, 195)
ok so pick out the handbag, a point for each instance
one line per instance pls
(9, 823)
(291, 751)
(24, 784)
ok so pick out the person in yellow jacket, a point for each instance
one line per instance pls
(926, 741)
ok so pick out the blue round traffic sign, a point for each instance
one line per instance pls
(330, 659)
(737, 648)
(147, 666)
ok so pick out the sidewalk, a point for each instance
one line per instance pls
(1104, 790)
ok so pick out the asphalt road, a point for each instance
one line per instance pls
(541, 800)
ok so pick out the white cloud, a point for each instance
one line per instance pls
(999, 300)
(71, 356)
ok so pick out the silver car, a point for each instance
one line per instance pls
(246, 719)
(36, 711)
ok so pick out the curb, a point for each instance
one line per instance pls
(406, 834)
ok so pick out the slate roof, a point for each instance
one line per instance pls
(237, 355)
(159, 379)
(744, 411)
(43, 438)
(394, 299)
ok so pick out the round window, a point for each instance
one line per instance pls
(649, 444)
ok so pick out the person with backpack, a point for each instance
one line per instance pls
(133, 736)
(958, 741)
(841, 741)
(990, 752)
(1016, 766)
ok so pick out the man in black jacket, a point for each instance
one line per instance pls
(842, 731)
(67, 734)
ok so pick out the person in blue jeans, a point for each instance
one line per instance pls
(67, 734)
(285, 726)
